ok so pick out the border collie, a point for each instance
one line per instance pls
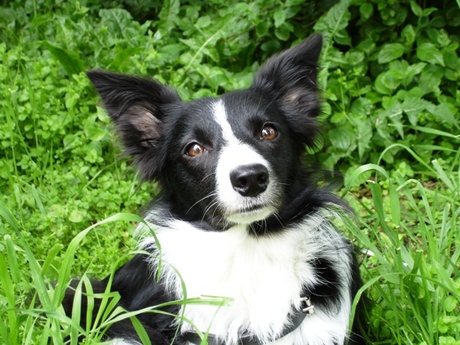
(239, 214)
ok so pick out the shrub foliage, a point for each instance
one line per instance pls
(390, 78)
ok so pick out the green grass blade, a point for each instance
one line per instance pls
(395, 207)
(10, 331)
(69, 256)
(442, 175)
(52, 255)
(13, 264)
(349, 182)
(434, 131)
(6, 214)
(140, 330)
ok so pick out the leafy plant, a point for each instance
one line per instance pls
(411, 258)
(390, 75)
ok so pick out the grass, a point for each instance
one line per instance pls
(410, 269)
(68, 199)
(27, 321)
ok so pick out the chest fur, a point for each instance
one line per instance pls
(263, 277)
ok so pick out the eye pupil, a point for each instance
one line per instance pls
(194, 150)
(269, 133)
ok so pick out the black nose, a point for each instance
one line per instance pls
(250, 180)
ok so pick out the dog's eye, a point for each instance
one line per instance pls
(194, 150)
(268, 133)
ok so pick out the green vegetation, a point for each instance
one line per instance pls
(391, 126)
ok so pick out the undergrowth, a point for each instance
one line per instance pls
(390, 75)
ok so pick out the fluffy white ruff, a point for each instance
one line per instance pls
(263, 275)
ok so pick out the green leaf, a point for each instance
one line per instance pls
(169, 14)
(342, 138)
(76, 216)
(366, 10)
(411, 71)
(203, 22)
(451, 60)
(413, 107)
(408, 34)
(390, 52)
(386, 83)
(120, 24)
(450, 302)
(290, 3)
(430, 78)
(283, 32)
(71, 64)
(95, 133)
(416, 9)
(262, 28)
(438, 37)
(394, 114)
(429, 53)
(69, 141)
(279, 17)
(361, 107)
(122, 58)
(364, 136)
(415, 69)
(445, 112)
(335, 20)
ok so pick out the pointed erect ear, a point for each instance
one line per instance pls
(290, 78)
(136, 106)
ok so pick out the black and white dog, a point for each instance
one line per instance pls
(239, 214)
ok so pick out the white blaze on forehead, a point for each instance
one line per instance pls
(237, 153)
(220, 116)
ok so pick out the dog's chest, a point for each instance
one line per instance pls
(264, 277)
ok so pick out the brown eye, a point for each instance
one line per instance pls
(268, 133)
(194, 150)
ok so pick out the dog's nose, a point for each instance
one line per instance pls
(250, 180)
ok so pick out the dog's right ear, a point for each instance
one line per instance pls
(136, 105)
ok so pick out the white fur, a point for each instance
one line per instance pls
(123, 342)
(264, 277)
(234, 154)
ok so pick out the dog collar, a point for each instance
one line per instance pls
(307, 308)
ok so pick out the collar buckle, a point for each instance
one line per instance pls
(307, 307)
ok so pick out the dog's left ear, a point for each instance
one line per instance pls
(137, 107)
(290, 78)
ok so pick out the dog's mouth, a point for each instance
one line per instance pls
(246, 214)
(253, 208)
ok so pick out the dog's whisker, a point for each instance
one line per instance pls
(207, 176)
(200, 200)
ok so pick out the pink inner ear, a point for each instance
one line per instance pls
(146, 123)
(292, 96)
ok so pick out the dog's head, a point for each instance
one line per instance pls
(226, 160)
